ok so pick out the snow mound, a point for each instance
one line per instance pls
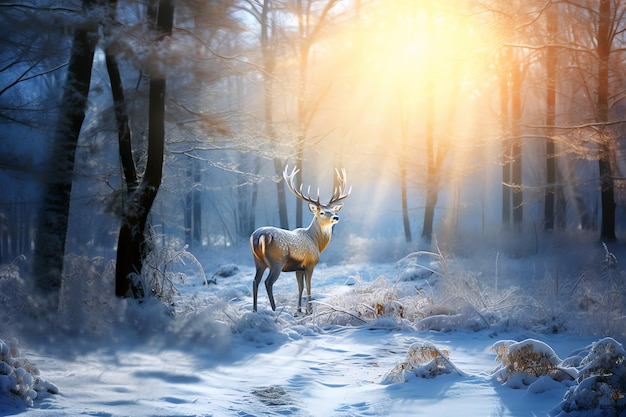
(526, 363)
(601, 387)
(19, 378)
(423, 360)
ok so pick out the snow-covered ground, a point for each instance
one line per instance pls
(215, 357)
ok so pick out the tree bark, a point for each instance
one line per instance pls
(54, 212)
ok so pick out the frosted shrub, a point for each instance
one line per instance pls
(466, 299)
(601, 388)
(19, 378)
(263, 327)
(423, 360)
(86, 295)
(163, 270)
(601, 298)
(523, 363)
(13, 297)
(380, 303)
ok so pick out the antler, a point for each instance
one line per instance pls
(338, 194)
(298, 193)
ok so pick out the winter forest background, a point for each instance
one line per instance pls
(141, 143)
(133, 131)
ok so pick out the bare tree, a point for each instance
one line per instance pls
(131, 247)
(53, 218)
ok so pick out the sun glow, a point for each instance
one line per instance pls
(404, 57)
(417, 45)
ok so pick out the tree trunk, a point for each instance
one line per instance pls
(607, 231)
(132, 245)
(432, 183)
(123, 125)
(54, 212)
(516, 148)
(193, 207)
(505, 59)
(404, 129)
(551, 62)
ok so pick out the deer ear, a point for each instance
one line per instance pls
(337, 207)
(314, 208)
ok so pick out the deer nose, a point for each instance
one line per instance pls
(335, 218)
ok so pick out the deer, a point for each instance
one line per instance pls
(296, 250)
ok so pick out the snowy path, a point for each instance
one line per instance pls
(333, 373)
(273, 364)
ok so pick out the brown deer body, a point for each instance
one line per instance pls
(296, 250)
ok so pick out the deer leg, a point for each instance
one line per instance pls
(255, 285)
(269, 283)
(308, 274)
(300, 279)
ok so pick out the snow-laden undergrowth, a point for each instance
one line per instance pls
(425, 291)
(20, 378)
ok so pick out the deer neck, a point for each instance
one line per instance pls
(319, 235)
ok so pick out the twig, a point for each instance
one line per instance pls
(338, 310)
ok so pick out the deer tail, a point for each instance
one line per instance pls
(259, 241)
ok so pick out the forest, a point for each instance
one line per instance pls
(142, 143)
(463, 118)
(132, 127)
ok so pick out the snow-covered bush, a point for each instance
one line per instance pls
(86, 304)
(469, 299)
(523, 363)
(13, 297)
(20, 378)
(601, 298)
(163, 270)
(601, 388)
(381, 303)
(266, 327)
(423, 360)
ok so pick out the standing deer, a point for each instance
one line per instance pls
(296, 250)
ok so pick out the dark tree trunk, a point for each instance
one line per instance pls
(54, 212)
(131, 247)
(607, 231)
(551, 61)
(123, 125)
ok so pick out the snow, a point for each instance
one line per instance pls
(384, 339)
